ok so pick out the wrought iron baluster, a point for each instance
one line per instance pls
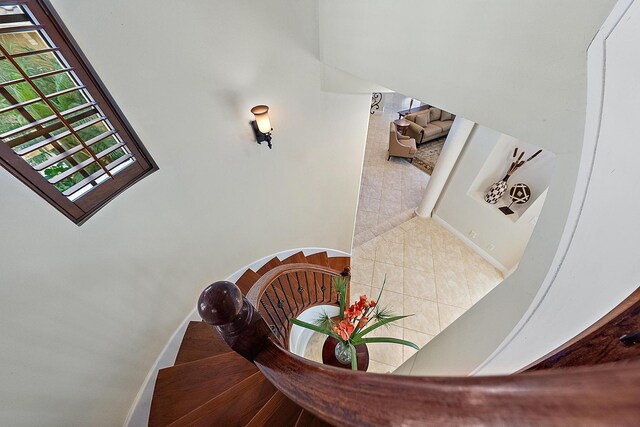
(315, 287)
(306, 279)
(273, 326)
(300, 290)
(293, 295)
(376, 98)
(284, 327)
(323, 288)
(286, 297)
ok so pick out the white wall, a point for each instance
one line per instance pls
(601, 266)
(517, 67)
(485, 159)
(84, 311)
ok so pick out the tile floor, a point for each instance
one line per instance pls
(390, 190)
(430, 274)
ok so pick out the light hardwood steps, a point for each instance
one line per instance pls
(246, 281)
(321, 258)
(182, 388)
(279, 411)
(271, 264)
(297, 258)
(199, 342)
(233, 408)
(339, 263)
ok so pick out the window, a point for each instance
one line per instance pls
(60, 131)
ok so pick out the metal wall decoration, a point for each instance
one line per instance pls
(519, 194)
(496, 191)
(376, 99)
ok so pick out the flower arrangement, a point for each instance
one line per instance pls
(360, 318)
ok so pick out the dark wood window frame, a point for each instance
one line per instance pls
(88, 204)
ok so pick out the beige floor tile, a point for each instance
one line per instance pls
(369, 204)
(448, 314)
(420, 284)
(366, 250)
(388, 353)
(390, 253)
(425, 315)
(415, 337)
(390, 207)
(358, 289)
(418, 258)
(380, 368)
(417, 238)
(452, 292)
(394, 276)
(395, 235)
(361, 270)
(391, 301)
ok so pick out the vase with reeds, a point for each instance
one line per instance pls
(497, 189)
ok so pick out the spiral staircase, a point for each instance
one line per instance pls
(211, 385)
(240, 373)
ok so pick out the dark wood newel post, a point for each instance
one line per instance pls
(222, 305)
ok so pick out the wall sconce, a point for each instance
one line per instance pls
(261, 125)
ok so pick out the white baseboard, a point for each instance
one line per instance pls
(477, 249)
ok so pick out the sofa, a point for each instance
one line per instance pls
(429, 124)
(401, 145)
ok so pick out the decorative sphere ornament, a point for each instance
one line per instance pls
(520, 193)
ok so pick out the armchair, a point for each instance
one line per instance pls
(401, 145)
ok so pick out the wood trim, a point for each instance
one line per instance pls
(597, 395)
(87, 205)
(599, 343)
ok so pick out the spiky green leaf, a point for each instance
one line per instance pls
(377, 325)
(385, 340)
(314, 328)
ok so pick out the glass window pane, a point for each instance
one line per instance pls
(11, 120)
(8, 72)
(22, 91)
(55, 83)
(92, 131)
(113, 156)
(39, 110)
(25, 41)
(69, 100)
(10, 10)
(104, 144)
(38, 64)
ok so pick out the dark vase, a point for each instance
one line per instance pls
(329, 355)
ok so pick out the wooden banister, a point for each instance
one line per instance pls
(222, 305)
(602, 394)
(606, 394)
(288, 290)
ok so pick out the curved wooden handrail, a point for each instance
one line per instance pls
(606, 394)
(602, 394)
(288, 290)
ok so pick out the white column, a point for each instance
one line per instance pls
(456, 139)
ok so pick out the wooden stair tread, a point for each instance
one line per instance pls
(338, 263)
(234, 407)
(199, 342)
(307, 419)
(272, 263)
(297, 258)
(182, 388)
(246, 281)
(279, 411)
(321, 258)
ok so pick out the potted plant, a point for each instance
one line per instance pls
(353, 323)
